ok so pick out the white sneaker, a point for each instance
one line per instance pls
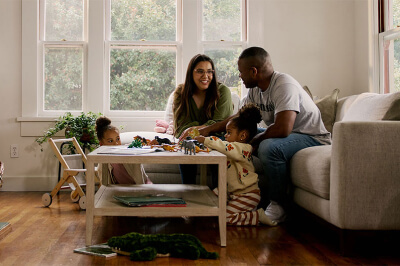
(275, 212)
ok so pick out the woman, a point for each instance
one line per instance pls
(200, 101)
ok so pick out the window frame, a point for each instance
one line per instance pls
(108, 43)
(386, 32)
(188, 44)
(43, 44)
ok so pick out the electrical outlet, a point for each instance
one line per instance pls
(14, 151)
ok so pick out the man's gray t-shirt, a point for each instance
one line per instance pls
(286, 94)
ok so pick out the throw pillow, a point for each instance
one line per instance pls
(393, 113)
(308, 91)
(327, 106)
(370, 106)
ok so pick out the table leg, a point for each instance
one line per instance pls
(90, 201)
(222, 186)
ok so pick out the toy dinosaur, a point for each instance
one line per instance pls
(162, 140)
(146, 247)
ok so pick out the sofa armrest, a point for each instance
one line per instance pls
(365, 182)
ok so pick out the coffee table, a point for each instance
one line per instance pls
(200, 200)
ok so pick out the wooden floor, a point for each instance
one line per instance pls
(48, 236)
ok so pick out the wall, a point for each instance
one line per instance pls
(322, 43)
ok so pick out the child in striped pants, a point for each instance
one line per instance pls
(243, 191)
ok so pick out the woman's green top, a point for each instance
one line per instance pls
(198, 117)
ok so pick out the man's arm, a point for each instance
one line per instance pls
(281, 128)
(216, 127)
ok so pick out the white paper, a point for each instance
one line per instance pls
(124, 150)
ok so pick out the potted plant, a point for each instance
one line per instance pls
(81, 127)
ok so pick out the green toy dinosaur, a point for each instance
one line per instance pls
(146, 247)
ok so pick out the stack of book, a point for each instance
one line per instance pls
(151, 201)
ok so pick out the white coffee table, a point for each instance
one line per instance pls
(200, 199)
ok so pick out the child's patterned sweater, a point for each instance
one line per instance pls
(241, 176)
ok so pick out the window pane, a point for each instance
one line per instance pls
(225, 62)
(141, 79)
(222, 20)
(396, 13)
(150, 20)
(64, 20)
(63, 79)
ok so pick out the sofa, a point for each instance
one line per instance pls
(353, 184)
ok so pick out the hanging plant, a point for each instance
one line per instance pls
(82, 127)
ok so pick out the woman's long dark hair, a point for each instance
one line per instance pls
(184, 92)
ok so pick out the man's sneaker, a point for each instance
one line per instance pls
(264, 219)
(275, 212)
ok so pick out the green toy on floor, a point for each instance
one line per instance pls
(142, 247)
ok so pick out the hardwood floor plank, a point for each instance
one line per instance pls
(48, 235)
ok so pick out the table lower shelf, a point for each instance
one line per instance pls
(200, 201)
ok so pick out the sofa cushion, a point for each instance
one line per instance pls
(370, 106)
(310, 170)
(343, 104)
(393, 113)
(327, 107)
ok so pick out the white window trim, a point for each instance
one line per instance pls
(388, 35)
(95, 66)
(383, 37)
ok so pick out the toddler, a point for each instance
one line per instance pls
(243, 190)
(120, 173)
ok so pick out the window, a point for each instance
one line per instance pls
(389, 46)
(142, 49)
(223, 38)
(63, 47)
(123, 58)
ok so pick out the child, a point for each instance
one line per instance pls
(120, 173)
(243, 190)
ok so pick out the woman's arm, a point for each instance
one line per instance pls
(224, 110)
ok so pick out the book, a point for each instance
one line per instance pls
(102, 250)
(5, 228)
(151, 201)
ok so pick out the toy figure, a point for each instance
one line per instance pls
(189, 145)
(162, 141)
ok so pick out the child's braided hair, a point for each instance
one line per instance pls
(247, 119)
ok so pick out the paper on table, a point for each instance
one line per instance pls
(124, 150)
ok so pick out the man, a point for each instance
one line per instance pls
(293, 123)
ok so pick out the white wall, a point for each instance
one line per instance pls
(322, 43)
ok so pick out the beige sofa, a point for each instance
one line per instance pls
(354, 184)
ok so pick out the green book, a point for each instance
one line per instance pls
(102, 250)
(151, 201)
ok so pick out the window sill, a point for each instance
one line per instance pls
(35, 126)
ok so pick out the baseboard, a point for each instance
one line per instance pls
(28, 183)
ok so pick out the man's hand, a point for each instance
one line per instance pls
(204, 131)
(255, 142)
(200, 139)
